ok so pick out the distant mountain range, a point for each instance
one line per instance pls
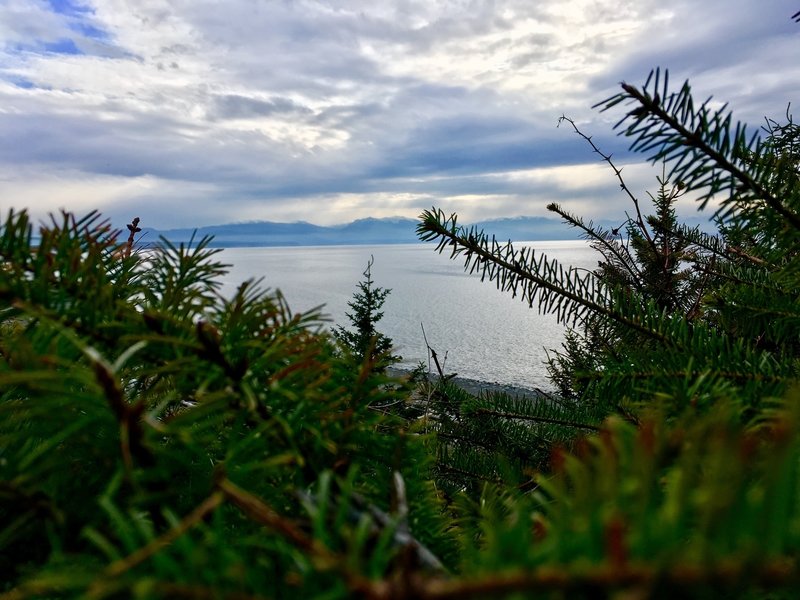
(392, 230)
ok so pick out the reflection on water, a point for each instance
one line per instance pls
(487, 334)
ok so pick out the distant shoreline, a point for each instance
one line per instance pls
(476, 386)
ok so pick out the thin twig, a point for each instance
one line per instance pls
(617, 172)
(685, 576)
(432, 353)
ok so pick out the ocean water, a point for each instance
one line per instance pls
(484, 334)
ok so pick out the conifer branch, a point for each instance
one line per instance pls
(512, 268)
(668, 124)
(128, 416)
(260, 512)
(590, 233)
(470, 474)
(205, 508)
(324, 559)
(685, 576)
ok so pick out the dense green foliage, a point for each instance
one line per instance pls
(690, 335)
(160, 440)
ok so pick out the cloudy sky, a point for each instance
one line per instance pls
(194, 112)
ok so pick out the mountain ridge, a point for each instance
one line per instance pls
(365, 231)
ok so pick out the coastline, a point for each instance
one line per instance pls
(476, 386)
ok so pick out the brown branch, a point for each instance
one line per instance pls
(206, 507)
(773, 574)
(741, 253)
(433, 355)
(694, 311)
(128, 416)
(260, 512)
(134, 228)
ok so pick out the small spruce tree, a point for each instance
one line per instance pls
(364, 341)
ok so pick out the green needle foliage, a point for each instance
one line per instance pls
(159, 439)
(682, 354)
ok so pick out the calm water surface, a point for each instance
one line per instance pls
(486, 334)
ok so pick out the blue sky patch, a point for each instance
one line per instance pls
(65, 46)
(89, 31)
(23, 83)
(68, 7)
(78, 15)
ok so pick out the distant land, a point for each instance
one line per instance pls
(391, 230)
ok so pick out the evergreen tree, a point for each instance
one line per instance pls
(653, 257)
(364, 341)
(681, 344)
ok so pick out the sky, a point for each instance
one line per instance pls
(196, 112)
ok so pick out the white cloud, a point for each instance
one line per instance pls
(23, 22)
(199, 112)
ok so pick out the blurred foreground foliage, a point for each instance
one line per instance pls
(664, 460)
(160, 440)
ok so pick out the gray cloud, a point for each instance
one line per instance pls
(234, 106)
(332, 111)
